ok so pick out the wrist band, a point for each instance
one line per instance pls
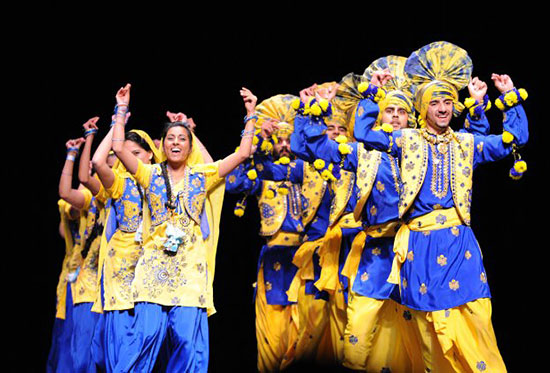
(247, 133)
(70, 157)
(118, 139)
(66, 174)
(89, 132)
(247, 118)
(511, 98)
(72, 149)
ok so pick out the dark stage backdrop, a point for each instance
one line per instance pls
(180, 60)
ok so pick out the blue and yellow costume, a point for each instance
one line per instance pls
(120, 249)
(281, 207)
(59, 357)
(85, 289)
(172, 288)
(438, 262)
(341, 227)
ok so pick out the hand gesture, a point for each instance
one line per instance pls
(381, 77)
(191, 123)
(477, 89)
(74, 143)
(249, 100)
(307, 94)
(176, 117)
(502, 82)
(123, 95)
(327, 93)
(90, 124)
(268, 127)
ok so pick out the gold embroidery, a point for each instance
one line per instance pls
(468, 254)
(380, 186)
(365, 277)
(277, 266)
(423, 289)
(376, 251)
(455, 231)
(268, 286)
(442, 260)
(440, 170)
(410, 256)
(483, 277)
(405, 283)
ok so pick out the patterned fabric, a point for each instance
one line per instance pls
(278, 107)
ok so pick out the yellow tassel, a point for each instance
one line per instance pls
(507, 137)
(270, 194)
(283, 190)
(362, 87)
(284, 160)
(386, 127)
(316, 110)
(327, 175)
(499, 104)
(344, 149)
(469, 102)
(523, 94)
(319, 164)
(489, 106)
(295, 104)
(323, 103)
(520, 166)
(252, 174)
(341, 139)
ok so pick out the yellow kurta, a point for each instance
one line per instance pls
(118, 261)
(85, 287)
(180, 279)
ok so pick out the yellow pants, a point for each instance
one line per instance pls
(378, 337)
(276, 331)
(460, 339)
(313, 344)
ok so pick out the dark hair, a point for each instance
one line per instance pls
(170, 125)
(134, 137)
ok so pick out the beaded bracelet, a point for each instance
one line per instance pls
(247, 133)
(72, 149)
(71, 157)
(511, 98)
(89, 132)
(247, 118)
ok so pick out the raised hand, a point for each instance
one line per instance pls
(176, 117)
(90, 124)
(308, 93)
(477, 89)
(268, 127)
(74, 144)
(123, 95)
(327, 93)
(381, 77)
(502, 82)
(249, 100)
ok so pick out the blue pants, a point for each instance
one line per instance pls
(84, 322)
(59, 357)
(152, 336)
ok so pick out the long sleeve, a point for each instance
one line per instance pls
(269, 170)
(237, 181)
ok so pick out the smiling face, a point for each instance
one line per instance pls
(396, 116)
(439, 114)
(177, 144)
(144, 155)
(282, 147)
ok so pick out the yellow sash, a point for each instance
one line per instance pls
(437, 219)
(330, 251)
(354, 257)
(303, 259)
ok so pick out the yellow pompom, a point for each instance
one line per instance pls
(499, 104)
(239, 211)
(283, 190)
(327, 175)
(469, 102)
(507, 137)
(344, 149)
(266, 146)
(511, 98)
(386, 127)
(323, 103)
(295, 104)
(341, 139)
(252, 174)
(270, 194)
(316, 110)
(362, 87)
(284, 160)
(319, 164)
(330, 166)
(380, 95)
(489, 106)
(255, 140)
(520, 166)
(523, 94)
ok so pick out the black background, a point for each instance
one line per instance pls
(183, 59)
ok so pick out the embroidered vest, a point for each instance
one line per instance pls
(273, 211)
(367, 168)
(342, 190)
(414, 165)
(313, 189)
(129, 207)
(193, 197)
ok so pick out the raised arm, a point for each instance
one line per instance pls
(84, 169)
(180, 117)
(66, 191)
(99, 161)
(233, 160)
(129, 160)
